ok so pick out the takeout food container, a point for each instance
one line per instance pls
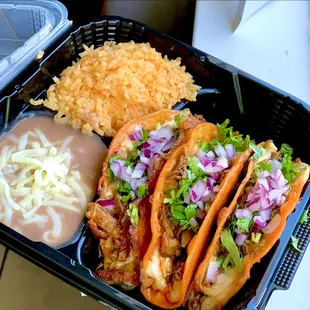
(254, 108)
(26, 27)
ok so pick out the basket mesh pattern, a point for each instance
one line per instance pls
(291, 258)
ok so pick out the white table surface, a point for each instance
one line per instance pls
(273, 45)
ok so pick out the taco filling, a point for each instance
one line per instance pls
(257, 211)
(120, 217)
(189, 193)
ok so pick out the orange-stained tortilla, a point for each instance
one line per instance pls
(121, 244)
(173, 295)
(228, 284)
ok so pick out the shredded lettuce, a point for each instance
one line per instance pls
(304, 217)
(178, 119)
(229, 244)
(227, 136)
(289, 170)
(295, 244)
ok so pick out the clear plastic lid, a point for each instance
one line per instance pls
(26, 27)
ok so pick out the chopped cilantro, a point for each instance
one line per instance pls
(133, 213)
(124, 190)
(289, 170)
(145, 134)
(258, 151)
(244, 224)
(229, 244)
(142, 190)
(295, 244)
(304, 217)
(110, 175)
(264, 166)
(178, 118)
(255, 237)
(115, 157)
(158, 126)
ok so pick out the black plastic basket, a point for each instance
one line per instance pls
(253, 107)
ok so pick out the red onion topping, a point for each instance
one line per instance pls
(213, 271)
(240, 239)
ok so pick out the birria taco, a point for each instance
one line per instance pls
(195, 183)
(250, 226)
(120, 218)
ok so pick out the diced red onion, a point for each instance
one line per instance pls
(147, 153)
(230, 151)
(275, 165)
(266, 214)
(210, 182)
(206, 161)
(145, 145)
(193, 222)
(243, 213)
(272, 225)
(240, 239)
(163, 132)
(135, 183)
(201, 154)
(198, 190)
(219, 150)
(254, 205)
(263, 174)
(216, 188)
(263, 182)
(116, 167)
(259, 221)
(213, 271)
(211, 155)
(200, 205)
(138, 171)
(106, 203)
(200, 214)
(168, 146)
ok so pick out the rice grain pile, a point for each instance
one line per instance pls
(114, 83)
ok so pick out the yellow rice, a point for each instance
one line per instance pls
(114, 83)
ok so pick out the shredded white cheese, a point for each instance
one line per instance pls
(35, 174)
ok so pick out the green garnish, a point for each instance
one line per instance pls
(258, 151)
(145, 134)
(304, 217)
(124, 190)
(229, 244)
(295, 244)
(255, 237)
(226, 136)
(182, 215)
(289, 170)
(178, 118)
(226, 262)
(115, 157)
(142, 190)
(158, 126)
(221, 259)
(110, 175)
(244, 224)
(133, 213)
(207, 206)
